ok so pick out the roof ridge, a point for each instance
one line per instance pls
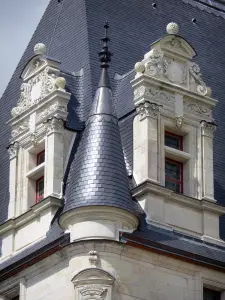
(118, 76)
(208, 7)
(79, 73)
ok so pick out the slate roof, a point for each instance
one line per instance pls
(71, 31)
(173, 242)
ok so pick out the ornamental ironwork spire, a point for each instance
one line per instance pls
(105, 58)
(105, 54)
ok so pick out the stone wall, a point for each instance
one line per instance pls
(113, 270)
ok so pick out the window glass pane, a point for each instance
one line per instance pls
(174, 186)
(173, 141)
(40, 188)
(173, 170)
(40, 158)
(210, 294)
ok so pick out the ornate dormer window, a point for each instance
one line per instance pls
(173, 168)
(37, 122)
(169, 91)
(173, 139)
(37, 151)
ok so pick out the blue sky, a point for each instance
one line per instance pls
(18, 20)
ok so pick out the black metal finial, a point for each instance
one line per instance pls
(105, 54)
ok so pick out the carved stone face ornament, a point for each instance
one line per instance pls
(179, 120)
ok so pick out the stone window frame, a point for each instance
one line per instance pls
(213, 285)
(34, 172)
(217, 296)
(179, 137)
(38, 197)
(180, 182)
(187, 156)
(93, 283)
(39, 155)
(14, 290)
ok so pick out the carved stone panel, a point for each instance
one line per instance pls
(169, 60)
(93, 291)
(93, 284)
(35, 89)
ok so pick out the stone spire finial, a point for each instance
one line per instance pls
(172, 28)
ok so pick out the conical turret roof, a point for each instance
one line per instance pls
(98, 176)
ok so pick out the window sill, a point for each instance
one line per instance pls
(177, 155)
(37, 172)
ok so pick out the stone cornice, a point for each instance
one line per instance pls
(81, 214)
(31, 214)
(145, 80)
(149, 187)
(62, 95)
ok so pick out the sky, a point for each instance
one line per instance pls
(18, 20)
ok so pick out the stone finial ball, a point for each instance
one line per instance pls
(139, 67)
(60, 83)
(40, 49)
(172, 28)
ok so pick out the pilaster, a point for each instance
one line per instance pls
(146, 142)
(13, 156)
(54, 151)
(207, 131)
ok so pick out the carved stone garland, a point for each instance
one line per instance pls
(35, 89)
(154, 94)
(195, 108)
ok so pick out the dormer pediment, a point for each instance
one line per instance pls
(39, 80)
(175, 46)
(36, 64)
(170, 60)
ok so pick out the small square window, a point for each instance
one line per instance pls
(209, 294)
(174, 175)
(174, 141)
(40, 189)
(40, 157)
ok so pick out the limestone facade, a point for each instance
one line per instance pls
(120, 272)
